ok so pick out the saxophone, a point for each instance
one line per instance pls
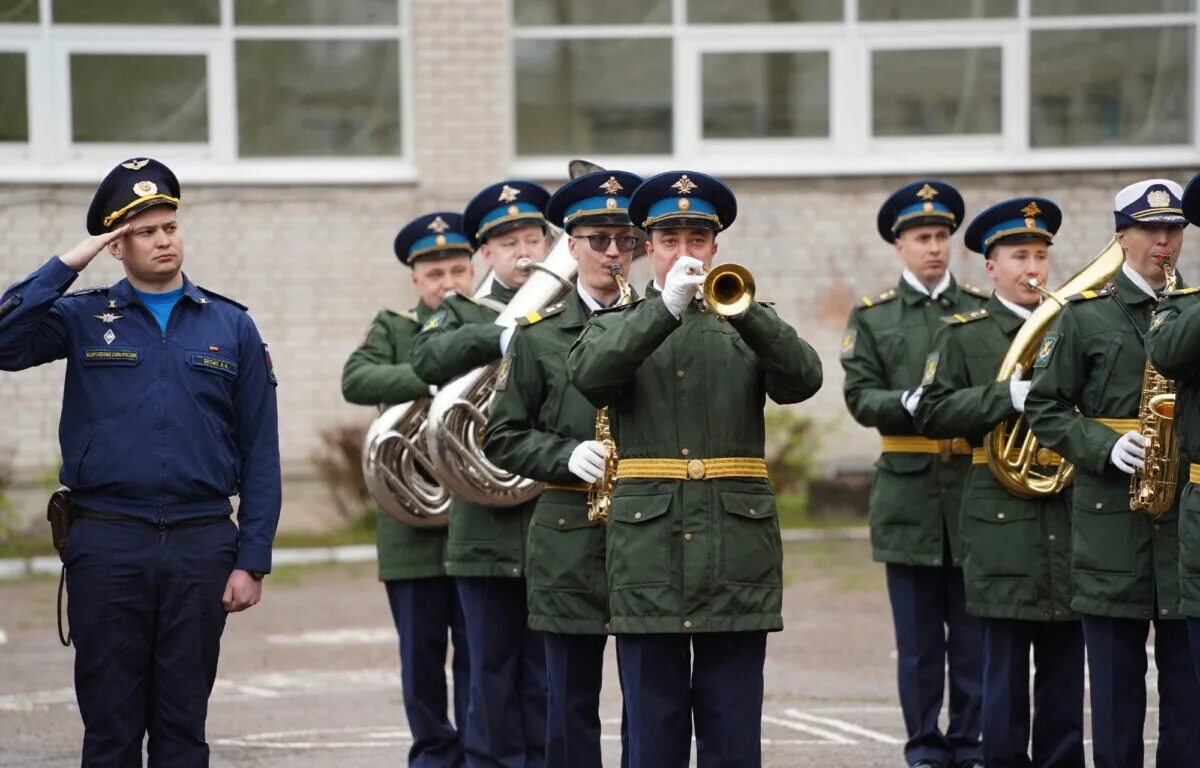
(600, 494)
(1152, 488)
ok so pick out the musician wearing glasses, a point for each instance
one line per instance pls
(541, 427)
(1016, 551)
(1084, 405)
(1173, 344)
(423, 599)
(694, 558)
(485, 550)
(917, 491)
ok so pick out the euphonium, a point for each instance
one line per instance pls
(1152, 488)
(1013, 454)
(600, 493)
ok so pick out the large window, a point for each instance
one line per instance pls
(253, 89)
(778, 87)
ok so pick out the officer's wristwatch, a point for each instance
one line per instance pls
(256, 575)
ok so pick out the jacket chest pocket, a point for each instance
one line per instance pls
(751, 550)
(212, 363)
(110, 357)
(638, 541)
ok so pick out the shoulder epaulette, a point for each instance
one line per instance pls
(1180, 292)
(1090, 294)
(226, 299)
(886, 296)
(617, 308)
(465, 297)
(87, 291)
(975, 290)
(539, 315)
(965, 317)
(410, 316)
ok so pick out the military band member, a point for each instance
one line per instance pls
(917, 491)
(169, 409)
(485, 551)
(694, 557)
(541, 427)
(1084, 401)
(1173, 344)
(1017, 551)
(423, 599)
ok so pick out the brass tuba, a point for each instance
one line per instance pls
(1013, 453)
(1152, 488)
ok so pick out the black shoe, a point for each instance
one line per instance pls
(926, 764)
(972, 763)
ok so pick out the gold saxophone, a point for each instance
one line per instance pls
(1152, 488)
(600, 493)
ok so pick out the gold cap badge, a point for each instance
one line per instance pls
(685, 185)
(1159, 198)
(612, 186)
(927, 192)
(145, 188)
(1032, 209)
(439, 225)
(508, 194)
(135, 165)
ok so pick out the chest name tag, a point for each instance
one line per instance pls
(204, 361)
(110, 356)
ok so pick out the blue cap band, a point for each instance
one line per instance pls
(681, 207)
(515, 211)
(1016, 227)
(594, 206)
(922, 209)
(449, 241)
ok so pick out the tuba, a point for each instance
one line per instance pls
(1152, 488)
(1013, 454)
(396, 466)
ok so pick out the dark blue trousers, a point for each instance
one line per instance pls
(932, 628)
(146, 616)
(506, 718)
(1057, 694)
(720, 688)
(1194, 638)
(426, 611)
(1116, 652)
(574, 674)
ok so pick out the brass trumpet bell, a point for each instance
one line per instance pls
(728, 289)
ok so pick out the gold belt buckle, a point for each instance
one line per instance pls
(695, 469)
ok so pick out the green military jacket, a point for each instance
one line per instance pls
(379, 373)
(692, 555)
(915, 498)
(1016, 552)
(1123, 563)
(1173, 343)
(537, 420)
(460, 336)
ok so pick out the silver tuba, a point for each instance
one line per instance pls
(395, 466)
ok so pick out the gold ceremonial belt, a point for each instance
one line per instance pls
(1120, 425)
(1194, 473)
(1045, 457)
(916, 444)
(581, 487)
(693, 469)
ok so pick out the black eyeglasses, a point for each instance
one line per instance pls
(599, 243)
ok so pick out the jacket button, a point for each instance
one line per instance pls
(687, 537)
(637, 515)
(1165, 611)
(516, 571)
(1057, 611)
(685, 452)
(999, 515)
(679, 374)
(562, 521)
(937, 561)
(1099, 505)
(1157, 527)
(607, 627)
(1052, 537)
(687, 623)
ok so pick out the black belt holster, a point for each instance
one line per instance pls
(61, 514)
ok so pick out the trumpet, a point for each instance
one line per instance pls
(728, 290)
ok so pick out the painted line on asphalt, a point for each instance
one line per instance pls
(830, 737)
(344, 636)
(843, 725)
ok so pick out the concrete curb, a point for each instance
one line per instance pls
(18, 567)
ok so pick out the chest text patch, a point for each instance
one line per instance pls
(207, 361)
(110, 356)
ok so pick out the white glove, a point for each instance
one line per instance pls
(587, 461)
(1018, 390)
(909, 399)
(505, 337)
(1129, 452)
(432, 390)
(684, 279)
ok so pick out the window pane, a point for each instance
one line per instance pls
(892, 10)
(14, 117)
(766, 95)
(935, 92)
(762, 11)
(318, 97)
(125, 12)
(286, 12)
(1086, 7)
(139, 98)
(18, 11)
(1086, 88)
(583, 97)
(528, 13)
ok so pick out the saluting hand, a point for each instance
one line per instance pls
(241, 591)
(685, 277)
(81, 255)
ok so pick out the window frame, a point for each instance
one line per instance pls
(851, 149)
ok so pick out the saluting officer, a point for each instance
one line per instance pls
(423, 599)
(541, 427)
(1017, 551)
(485, 551)
(168, 410)
(1173, 345)
(694, 557)
(1084, 401)
(917, 491)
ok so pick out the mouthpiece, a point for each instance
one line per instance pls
(525, 266)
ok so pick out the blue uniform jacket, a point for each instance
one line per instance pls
(165, 427)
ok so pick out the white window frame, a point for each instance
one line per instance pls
(51, 156)
(850, 148)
